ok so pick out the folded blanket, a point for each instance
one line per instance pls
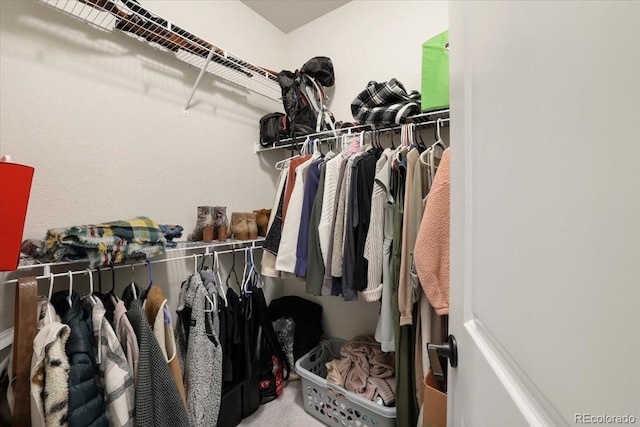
(108, 243)
(386, 103)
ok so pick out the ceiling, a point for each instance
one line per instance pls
(288, 15)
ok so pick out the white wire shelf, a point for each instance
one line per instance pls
(421, 119)
(132, 19)
(30, 264)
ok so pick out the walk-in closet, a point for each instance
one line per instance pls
(359, 213)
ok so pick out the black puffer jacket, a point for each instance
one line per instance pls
(86, 398)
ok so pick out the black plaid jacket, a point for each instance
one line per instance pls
(385, 103)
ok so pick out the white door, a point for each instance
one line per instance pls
(545, 227)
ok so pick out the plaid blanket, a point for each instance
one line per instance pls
(108, 243)
(385, 103)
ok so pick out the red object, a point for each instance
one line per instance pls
(15, 186)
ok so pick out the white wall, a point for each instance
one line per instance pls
(100, 116)
(369, 40)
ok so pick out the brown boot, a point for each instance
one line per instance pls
(205, 219)
(239, 227)
(262, 221)
(221, 223)
(251, 225)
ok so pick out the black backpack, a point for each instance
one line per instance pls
(304, 99)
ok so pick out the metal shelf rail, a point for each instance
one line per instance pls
(80, 264)
(422, 119)
(129, 17)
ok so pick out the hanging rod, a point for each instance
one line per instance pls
(422, 119)
(130, 18)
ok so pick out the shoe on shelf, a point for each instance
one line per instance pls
(251, 225)
(262, 221)
(221, 223)
(205, 219)
(243, 226)
(239, 228)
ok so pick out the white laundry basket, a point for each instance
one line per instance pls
(332, 404)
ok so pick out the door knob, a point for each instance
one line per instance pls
(448, 350)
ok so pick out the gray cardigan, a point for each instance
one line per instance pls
(158, 402)
(200, 353)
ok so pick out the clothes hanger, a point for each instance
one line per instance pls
(150, 268)
(221, 288)
(233, 270)
(420, 141)
(427, 155)
(99, 279)
(249, 260)
(282, 164)
(51, 276)
(248, 271)
(212, 306)
(113, 281)
(133, 283)
(204, 258)
(257, 279)
(69, 299)
(90, 296)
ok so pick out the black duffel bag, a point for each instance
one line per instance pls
(273, 128)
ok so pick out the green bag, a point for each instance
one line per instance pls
(435, 73)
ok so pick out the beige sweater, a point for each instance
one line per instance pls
(432, 244)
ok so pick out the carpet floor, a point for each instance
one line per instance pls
(285, 411)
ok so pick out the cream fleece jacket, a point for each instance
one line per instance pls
(431, 253)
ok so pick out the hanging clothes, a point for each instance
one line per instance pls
(86, 398)
(291, 181)
(327, 284)
(155, 307)
(428, 323)
(232, 329)
(373, 248)
(199, 352)
(406, 294)
(315, 264)
(158, 401)
(115, 375)
(274, 233)
(341, 216)
(309, 195)
(49, 370)
(359, 213)
(432, 243)
(286, 259)
(127, 337)
(385, 331)
(333, 168)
